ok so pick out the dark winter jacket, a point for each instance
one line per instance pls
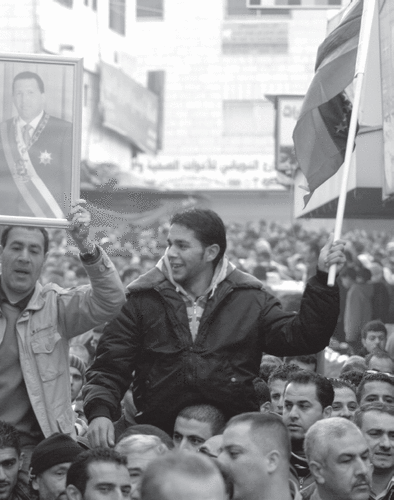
(241, 320)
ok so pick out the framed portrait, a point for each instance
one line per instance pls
(40, 138)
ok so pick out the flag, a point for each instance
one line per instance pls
(320, 134)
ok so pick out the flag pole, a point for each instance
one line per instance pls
(362, 53)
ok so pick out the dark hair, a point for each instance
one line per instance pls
(324, 390)
(353, 376)
(27, 75)
(374, 406)
(338, 383)
(7, 229)
(78, 474)
(283, 373)
(348, 272)
(373, 326)
(208, 228)
(308, 359)
(373, 377)
(205, 413)
(271, 423)
(9, 437)
(261, 390)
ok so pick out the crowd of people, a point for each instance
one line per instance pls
(180, 370)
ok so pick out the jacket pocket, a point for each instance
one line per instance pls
(49, 353)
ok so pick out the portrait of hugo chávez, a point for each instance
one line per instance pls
(35, 154)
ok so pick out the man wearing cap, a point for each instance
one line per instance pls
(49, 465)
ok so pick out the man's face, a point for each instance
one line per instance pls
(377, 391)
(182, 486)
(137, 463)
(10, 463)
(22, 260)
(277, 388)
(344, 404)
(373, 340)
(245, 461)
(346, 472)
(190, 434)
(378, 430)
(76, 381)
(301, 409)
(107, 481)
(28, 99)
(383, 365)
(51, 484)
(188, 258)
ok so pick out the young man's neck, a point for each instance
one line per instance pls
(197, 286)
(380, 479)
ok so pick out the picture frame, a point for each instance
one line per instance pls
(40, 138)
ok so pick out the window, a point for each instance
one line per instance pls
(259, 7)
(117, 16)
(248, 118)
(66, 3)
(150, 9)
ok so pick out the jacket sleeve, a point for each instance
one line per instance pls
(307, 332)
(110, 374)
(82, 308)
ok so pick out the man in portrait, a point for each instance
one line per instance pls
(35, 154)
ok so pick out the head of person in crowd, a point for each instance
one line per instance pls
(147, 430)
(354, 377)
(374, 387)
(338, 458)
(81, 351)
(77, 375)
(11, 460)
(354, 363)
(195, 424)
(256, 453)
(379, 361)
(28, 95)
(182, 474)
(306, 362)
(348, 277)
(23, 252)
(98, 474)
(307, 398)
(373, 335)
(49, 464)
(345, 399)
(212, 446)
(376, 422)
(276, 384)
(196, 244)
(140, 450)
(268, 364)
(96, 335)
(263, 394)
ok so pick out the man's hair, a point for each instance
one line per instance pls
(338, 383)
(78, 474)
(159, 473)
(141, 443)
(7, 229)
(354, 377)
(205, 413)
(268, 427)
(377, 353)
(262, 391)
(308, 359)
(348, 272)
(208, 228)
(374, 406)
(324, 390)
(323, 432)
(354, 362)
(373, 377)
(9, 437)
(373, 326)
(28, 75)
(268, 364)
(283, 373)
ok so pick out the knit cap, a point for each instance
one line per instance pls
(54, 450)
(77, 362)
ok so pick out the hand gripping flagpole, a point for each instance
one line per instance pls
(362, 53)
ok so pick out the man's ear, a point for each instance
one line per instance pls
(211, 252)
(34, 483)
(327, 412)
(363, 342)
(273, 460)
(266, 407)
(73, 493)
(21, 458)
(317, 469)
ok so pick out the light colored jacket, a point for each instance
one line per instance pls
(53, 316)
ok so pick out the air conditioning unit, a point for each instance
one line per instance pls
(260, 4)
